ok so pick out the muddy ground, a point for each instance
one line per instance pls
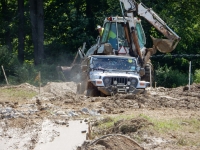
(23, 118)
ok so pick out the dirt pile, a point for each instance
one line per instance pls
(157, 98)
(111, 142)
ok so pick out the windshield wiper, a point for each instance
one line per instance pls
(99, 68)
(124, 70)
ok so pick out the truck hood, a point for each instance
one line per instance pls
(100, 74)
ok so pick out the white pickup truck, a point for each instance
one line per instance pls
(110, 74)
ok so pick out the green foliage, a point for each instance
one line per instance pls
(48, 73)
(9, 62)
(17, 73)
(197, 76)
(28, 73)
(169, 78)
(23, 73)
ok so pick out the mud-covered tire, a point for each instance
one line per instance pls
(144, 92)
(102, 94)
(92, 91)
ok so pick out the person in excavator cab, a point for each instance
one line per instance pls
(112, 38)
(100, 30)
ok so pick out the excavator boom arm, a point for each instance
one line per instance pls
(156, 21)
(163, 45)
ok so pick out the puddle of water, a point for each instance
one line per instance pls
(70, 137)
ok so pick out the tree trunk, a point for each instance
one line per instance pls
(21, 31)
(40, 27)
(37, 23)
(4, 13)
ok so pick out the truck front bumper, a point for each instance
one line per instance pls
(119, 89)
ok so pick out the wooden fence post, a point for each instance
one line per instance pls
(4, 74)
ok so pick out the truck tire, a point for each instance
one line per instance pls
(92, 91)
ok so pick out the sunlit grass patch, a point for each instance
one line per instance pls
(185, 131)
(17, 93)
(108, 122)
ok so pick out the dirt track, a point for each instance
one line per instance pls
(22, 119)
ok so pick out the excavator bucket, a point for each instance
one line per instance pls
(164, 45)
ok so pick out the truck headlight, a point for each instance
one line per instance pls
(107, 81)
(133, 81)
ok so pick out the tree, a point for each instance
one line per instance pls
(6, 21)
(21, 31)
(37, 25)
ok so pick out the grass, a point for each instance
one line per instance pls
(185, 131)
(17, 93)
(108, 122)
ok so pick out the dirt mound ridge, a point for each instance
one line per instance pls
(158, 98)
(112, 142)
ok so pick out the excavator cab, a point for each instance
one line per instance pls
(117, 33)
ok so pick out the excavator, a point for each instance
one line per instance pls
(123, 37)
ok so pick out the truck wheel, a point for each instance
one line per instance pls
(102, 94)
(92, 90)
(144, 92)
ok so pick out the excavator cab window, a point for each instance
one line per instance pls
(114, 34)
(122, 41)
(105, 33)
(141, 35)
(110, 35)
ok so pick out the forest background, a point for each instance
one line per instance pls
(38, 35)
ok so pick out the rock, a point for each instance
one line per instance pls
(61, 122)
(85, 111)
(191, 106)
(72, 114)
(186, 88)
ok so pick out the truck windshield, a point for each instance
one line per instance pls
(126, 64)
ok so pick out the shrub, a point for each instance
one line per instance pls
(169, 78)
(197, 76)
(48, 73)
(17, 73)
(9, 62)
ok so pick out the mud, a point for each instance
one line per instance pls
(24, 118)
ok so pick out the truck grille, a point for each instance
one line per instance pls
(120, 81)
